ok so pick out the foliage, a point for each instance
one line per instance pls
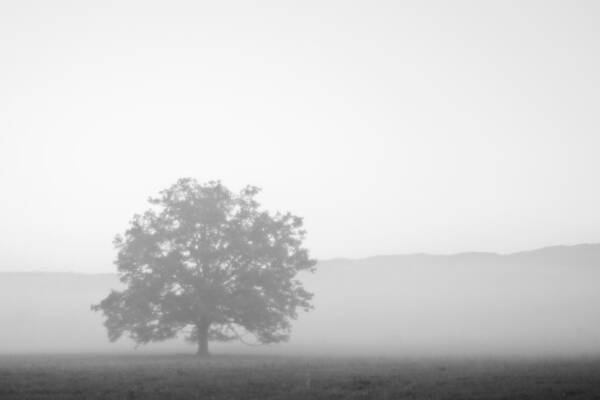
(205, 258)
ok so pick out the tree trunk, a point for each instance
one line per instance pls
(202, 339)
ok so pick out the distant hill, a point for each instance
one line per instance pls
(544, 301)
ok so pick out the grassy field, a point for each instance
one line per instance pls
(258, 377)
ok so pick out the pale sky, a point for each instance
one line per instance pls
(391, 127)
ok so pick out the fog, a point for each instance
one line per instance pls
(390, 127)
(538, 303)
(470, 304)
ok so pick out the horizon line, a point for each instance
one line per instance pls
(421, 254)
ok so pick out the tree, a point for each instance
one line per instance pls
(209, 261)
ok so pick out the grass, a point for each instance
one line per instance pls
(267, 377)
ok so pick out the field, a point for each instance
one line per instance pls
(267, 377)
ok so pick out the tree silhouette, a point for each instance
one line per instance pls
(205, 258)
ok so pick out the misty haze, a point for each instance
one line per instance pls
(541, 302)
(304, 200)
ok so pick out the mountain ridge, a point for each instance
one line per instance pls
(541, 301)
(553, 250)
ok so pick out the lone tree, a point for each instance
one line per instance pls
(210, 262)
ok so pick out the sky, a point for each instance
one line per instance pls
(390, 126)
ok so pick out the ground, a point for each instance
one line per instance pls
(268, 377)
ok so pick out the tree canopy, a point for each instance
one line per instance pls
(211, 263)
